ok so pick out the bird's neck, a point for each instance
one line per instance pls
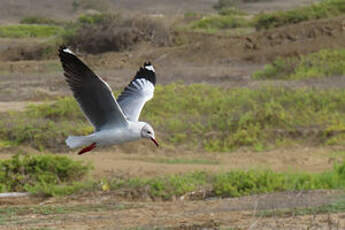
(135, 127)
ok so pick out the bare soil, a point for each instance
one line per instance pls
(12, 11)
(105, 211)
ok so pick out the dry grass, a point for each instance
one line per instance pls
(110, 32)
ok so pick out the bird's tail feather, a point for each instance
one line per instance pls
(77, 141)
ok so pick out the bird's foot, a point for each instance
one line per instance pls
(87, 148)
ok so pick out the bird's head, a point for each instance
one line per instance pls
(147, 132)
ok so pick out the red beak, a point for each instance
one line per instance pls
(154, 141)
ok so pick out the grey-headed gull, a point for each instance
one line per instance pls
(115, 121)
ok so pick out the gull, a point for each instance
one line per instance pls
(114, 121)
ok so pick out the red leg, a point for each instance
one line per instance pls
(87, 148)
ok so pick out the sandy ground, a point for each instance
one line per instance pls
(145, 164)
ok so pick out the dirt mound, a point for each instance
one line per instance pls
(298, 39)
(264, 46)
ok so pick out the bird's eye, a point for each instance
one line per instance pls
(148, 132)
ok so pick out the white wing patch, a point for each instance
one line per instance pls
(133, 99)
(66, 50)
(150, 67)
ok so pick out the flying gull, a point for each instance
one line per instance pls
(115, 121)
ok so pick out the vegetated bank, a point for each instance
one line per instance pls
(201, 117)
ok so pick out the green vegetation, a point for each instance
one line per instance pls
(230, 17)
(25, 31)
(324, 63)
(324, 9)
(44, 126)
(49, 174)
(231, 11)
(97, 18)
(217, 22)
(39, 20)
(107, 32)
(224, 4)
(218, 119)
(59, 175)
(201, 117)
(228, 184)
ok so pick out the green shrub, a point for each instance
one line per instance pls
(57, 175)
(24, 31)
(99, 5)
(22, 173)
(39, 20)
(324, 63)
(220, 22)
(324, 9)
(231, 11)
(223, 4)
(98, 18)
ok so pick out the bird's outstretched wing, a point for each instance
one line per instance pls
(94, 95)
(138, 92)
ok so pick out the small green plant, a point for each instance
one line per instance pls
(39, 20)
(224, 4)
(98, 18)
(100, 5)
(324, 63)
(220, 22)
(75, 5)
(231, 11)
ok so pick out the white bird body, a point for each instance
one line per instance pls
(107, 137)
(115, 121)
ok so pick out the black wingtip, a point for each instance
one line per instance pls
(64, 50)
(147, 64)
(147, 72)
(61, 48)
